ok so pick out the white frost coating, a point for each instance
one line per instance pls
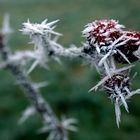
(137, 53)
(6, 28)
(117, 112)
(45, 39)
(40, 29)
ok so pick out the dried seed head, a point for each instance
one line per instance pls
(118, 88)
(128, 48)
(108, 38)
(102, 36)
(102, 32)
(117, 85)
(109, 42)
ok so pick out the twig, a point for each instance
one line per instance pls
(41, 106)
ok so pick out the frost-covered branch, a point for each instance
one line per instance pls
(57, 130)
(108, 43)
(46, 44)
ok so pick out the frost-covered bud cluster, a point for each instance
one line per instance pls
(102, 32)
(119, 80)
(110, 43)
(117, 87)
(109, 37)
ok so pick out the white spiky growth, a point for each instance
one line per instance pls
(45, 43)
(40, 29)
(40, 35)
(121, 100)
(61, 131)
(6, 28)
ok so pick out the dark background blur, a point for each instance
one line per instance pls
(70, 82)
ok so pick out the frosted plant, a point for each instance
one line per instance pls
(109, 38)
(14, 64)
(112, 44)
(107, 43)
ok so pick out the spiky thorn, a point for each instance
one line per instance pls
(64, 126)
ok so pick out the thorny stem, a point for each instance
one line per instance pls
(41, 106)
(58, 50)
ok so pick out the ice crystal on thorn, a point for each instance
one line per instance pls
(26, 114)
(41, 37)
(60, 131)
(6, 28)
(40, 29)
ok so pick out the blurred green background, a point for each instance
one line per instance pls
(69, 82)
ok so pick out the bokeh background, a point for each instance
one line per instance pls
(69, 83)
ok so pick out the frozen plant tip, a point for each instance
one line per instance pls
(102, 32)
(45, 43)
(118, 89)
(109, 38)
(110, 43)
(41, 37)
